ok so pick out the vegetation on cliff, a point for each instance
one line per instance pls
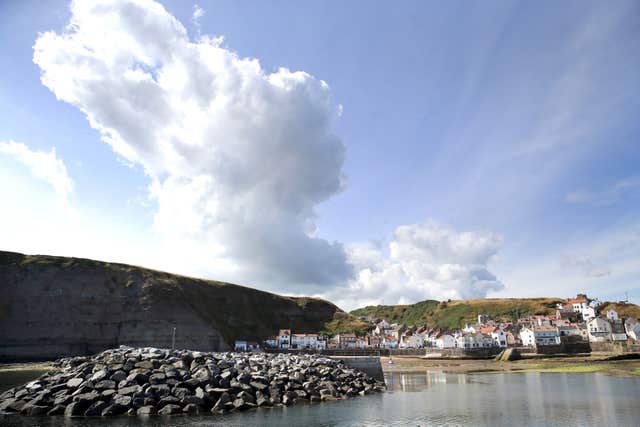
(455, 313)
(625, 310)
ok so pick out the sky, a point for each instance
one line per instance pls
(356, 151)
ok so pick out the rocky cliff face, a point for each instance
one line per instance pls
(55, 306)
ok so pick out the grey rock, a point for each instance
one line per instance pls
(75, 382)
(192, 399)
(220, 407)
(258, 385)
(105, 384)
(122, 400)
(118, 376)
(192, 409)
(99, 376)
(146, 410)
(75, 408)
(114, 409)
(57, 410)
(107, 394)
(95, 410)
(170, 410)
(180, 393)
(130, 390)
(145, 364)
(34, 410)
(168, 400)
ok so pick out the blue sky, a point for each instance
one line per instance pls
(459, 150)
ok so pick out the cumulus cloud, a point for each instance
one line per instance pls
(238, 158)
(422, 261)
(42, 165)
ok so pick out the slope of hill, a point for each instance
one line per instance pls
(53, 306)
(454, 314)
(624, 310)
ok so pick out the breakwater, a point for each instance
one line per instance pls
(149, 381)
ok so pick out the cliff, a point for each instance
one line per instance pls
(56, 306)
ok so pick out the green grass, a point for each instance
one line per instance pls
(636, 371)
(583, 368)
(345, 323)
(454, 314)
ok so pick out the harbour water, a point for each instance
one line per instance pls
(435, 399)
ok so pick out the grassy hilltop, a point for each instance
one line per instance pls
(454, 314)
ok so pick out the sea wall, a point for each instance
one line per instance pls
(564, 348)
(369, 365)
(618, 347)
(476, 353)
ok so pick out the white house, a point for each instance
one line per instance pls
(240, 345)
(539, 335)
(284, 338)
(546, 335)
(361, 343)
(272, 341)
(581, 304)
(612, 315)
(389, 341)
(469, 341)
(568, 330)
(412, 341)
(382, 327)
(496, 334)
(588, 313)
(527, 337)
(599, 330)
(471, 328)
(309, 341)
(445, 341)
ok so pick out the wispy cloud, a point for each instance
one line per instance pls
(586, 264)
(197, 14)
(42, 165)
(606, 196)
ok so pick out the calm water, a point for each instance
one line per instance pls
(436, 399)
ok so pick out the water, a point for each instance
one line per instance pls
(435, 399)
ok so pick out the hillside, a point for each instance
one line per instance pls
(53, 306)
(623, 310)
(454, 314)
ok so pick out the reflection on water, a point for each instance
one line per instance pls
(411, 382)
(10, 379)
(436, 399)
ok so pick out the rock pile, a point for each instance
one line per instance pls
(148, 381)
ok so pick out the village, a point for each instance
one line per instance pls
(574, 323)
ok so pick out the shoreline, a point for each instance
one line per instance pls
(26, 366)
(573, 364)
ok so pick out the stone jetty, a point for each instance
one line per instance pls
(150, 381)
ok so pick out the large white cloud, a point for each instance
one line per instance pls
(238, 157)
(45, 166)
(422, 261)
